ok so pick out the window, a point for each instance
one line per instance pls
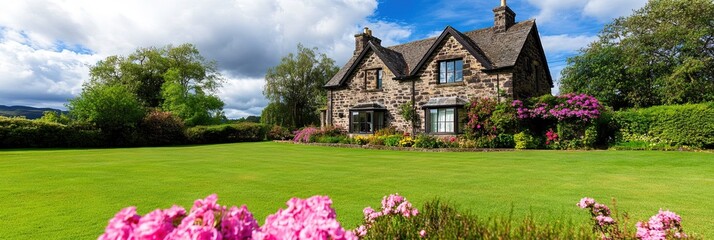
(442, 120)
(366, 121)
(451, 71)
(380, 73)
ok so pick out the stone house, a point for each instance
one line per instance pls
(439, 75)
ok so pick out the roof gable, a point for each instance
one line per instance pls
(495, 50)
(392, 59)
(472, 48)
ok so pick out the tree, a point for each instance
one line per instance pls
(296, 85)
(176, 79)
(111, 107)
(661, 54)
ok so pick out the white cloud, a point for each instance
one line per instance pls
(602, 10)
(564, 43)
(244, 37)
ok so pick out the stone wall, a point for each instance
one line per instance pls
(476, 83)
(531, 77)
(361, 87)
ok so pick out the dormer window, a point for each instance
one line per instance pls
(380, 73)
(451, 71)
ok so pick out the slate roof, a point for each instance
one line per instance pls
(497, 50)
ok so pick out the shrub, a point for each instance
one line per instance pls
(306, 134)
(331, 139)
(388, 131)
(226, 133)
(676, 125)
(376, 140)
(24, 133)
(504, 140)
(406, 141)
(161, 128)
(479, 112)
(440, 220)
(525, 140)
(361, 140)
(279, 133)
(392, 141)
(427, 141)
(303, 218)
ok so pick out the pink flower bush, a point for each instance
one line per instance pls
(122, 225)
(392, 205)
(600, 215)
(579, 107)
(664, 225)
(206, 220)
(303, 135)
(551, 137)
(312, 218)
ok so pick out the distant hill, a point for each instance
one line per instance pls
(28, 112)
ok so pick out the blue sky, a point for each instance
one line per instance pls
(47, 46)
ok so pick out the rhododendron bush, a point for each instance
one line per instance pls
(664, 225)
(311, 218)
(572, 115)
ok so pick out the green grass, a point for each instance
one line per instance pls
(71, 194)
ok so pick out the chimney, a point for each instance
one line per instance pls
(363, 38)
(503, 18)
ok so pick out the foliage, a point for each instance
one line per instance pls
(387, 131)
(55, 117)
(661, 54)
(306, 134)
(273, 114)
(226, 133)
(479, 113)
(426, 141)
(145, 71)
(406, 141)
(393, 140)
(297, 83)
(394, 208)
(190, 102)
(303, 218)
(162, 128)
(24, 133)
(361, 140)
(675, 125)
(279, 133)
(112, 108)
(504, 140)
(408, 112)
(525, 140)
(441, 220)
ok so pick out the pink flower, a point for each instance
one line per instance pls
(154, 226)
(311, 218)
(122, 225)
(422, 233)
(238, 223)
(604, 220)
(586, 202)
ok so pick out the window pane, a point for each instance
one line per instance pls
(449, 127)
(459, 65)
(449, 114)
(442, 115)
(378, 120)
(459, 76)
(442, 72)
(379, 79)
(433, 120)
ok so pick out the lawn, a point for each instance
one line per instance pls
(71, 194)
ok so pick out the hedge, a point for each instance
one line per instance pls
(677, 125)
(227, 133)
(23, 133)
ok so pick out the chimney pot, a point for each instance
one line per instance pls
(503, 3)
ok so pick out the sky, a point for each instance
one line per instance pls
(47, 46)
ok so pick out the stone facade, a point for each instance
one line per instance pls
(504, 61)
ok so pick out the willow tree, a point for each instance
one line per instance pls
(297, 84)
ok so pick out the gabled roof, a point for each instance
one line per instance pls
(493, 50)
